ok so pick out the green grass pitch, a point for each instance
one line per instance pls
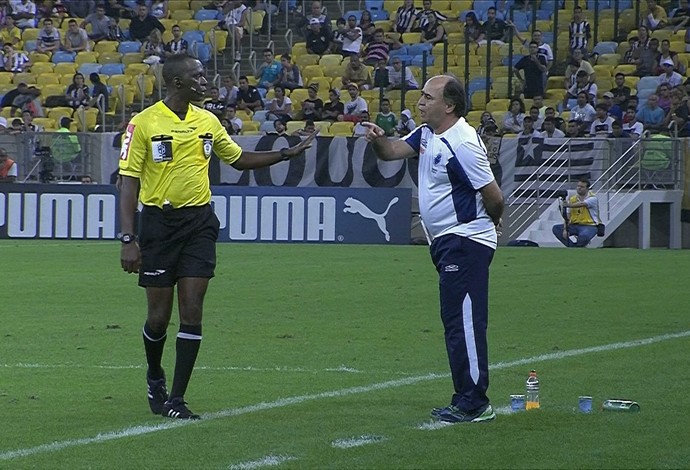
(308, 345)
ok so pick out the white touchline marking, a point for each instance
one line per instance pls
(357, 441)
(433, 425)
(282, 402)
(268, 461)
(503, 410)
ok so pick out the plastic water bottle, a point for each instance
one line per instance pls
(532, 391)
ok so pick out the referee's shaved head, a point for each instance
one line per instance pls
(176, 66)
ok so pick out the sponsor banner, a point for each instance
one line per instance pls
(309, 215)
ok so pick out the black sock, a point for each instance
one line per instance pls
(188, 342)
(154, 341)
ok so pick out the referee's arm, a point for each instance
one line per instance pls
(252, 160)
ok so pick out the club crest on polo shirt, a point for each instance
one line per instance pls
(437, 159)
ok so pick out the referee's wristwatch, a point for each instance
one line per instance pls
(126, 238)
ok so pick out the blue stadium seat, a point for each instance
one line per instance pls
(259, 116)
(463, 14)
(62, 56)
(480, 7)
(548, 5)
(605, 47)
(476, 84)
(404, 58)
(418, 60)
(89, 68)
(205, 15)
(647, 83)
(624, 4)
(603, 4)
(379, 15)
(193, 36)
(547, 37)
(127, 47)
(202, 51)
(113, 69)
(401, 51)
(418, 49)
(30, 46)
(267, 126)
(544, 14)
(522, 20)
(373, 5)
(644, 93)
(516, 58)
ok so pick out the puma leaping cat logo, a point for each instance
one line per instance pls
(354, 206)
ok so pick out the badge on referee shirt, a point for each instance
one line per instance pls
(207, 140)
(162, 148)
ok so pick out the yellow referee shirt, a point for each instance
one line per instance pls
(170, 156)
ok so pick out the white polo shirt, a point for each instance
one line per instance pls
(453, 167)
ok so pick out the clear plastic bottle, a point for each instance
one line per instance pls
(532, 391)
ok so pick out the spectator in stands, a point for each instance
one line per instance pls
(577, 63)
(28, 122)
(16, 127)
(473, 30)
(236, 21)
(228, 92)
(8, 168)
(214, 104)
(550, 130)
(669, 76)
(422, 16)
(433, 31)
(615, 111)
(582, 85)
(312, 107)
(308, 129)
(512, 119)
(655, 16)
(316, 13)
(10, 33)
(317, 38)
(404, 17)
(290, 77)
(159, 9)
(177, 45)
(680, 19)
(235, 122)
(24, 11)
(485, 120)
(537, 120)
(531, 70)
(356, 106)
(617, 131)
(153, 49)
(680, 117)
(360, 130)
(583, 112)
(395, 76)
(550, 112)
(77, 93)
(367, 26)
(574, 129)
(621, 92)
(352, 37)
(248, 97)
(334, 109)
(381, 79)
(280, 107)
(493, 28)
(141, 26)
(579, 32)
(376, 50)
(538, 37)
(355, 72)
(100, 24)
(99, 89)
(338, 38)
(269, 71)
(15, 61)
(642, 40)
(386, 120)
(651, 115)
(528, 129)
(116, 10)
(76, 39)
(48, 38)
(538, 102)
(667, 53)
(677, 107)
(646, 58)
(20, 97)
(663, 91)
(583, 217)
(603, 122)
(78, 8)
(406, 123)
(634, 102)
(278, 128)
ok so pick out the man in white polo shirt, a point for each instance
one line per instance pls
(460, 205)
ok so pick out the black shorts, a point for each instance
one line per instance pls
(176, 243)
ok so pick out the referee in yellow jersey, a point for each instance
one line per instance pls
(165, 157)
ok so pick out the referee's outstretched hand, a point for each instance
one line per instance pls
(301, 147)
(373, 131)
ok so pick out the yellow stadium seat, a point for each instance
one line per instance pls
(86, 58)
(299, 49)
(166, 22)
(48, 79)
(452, 27)
(603, 70)
(61, 111)
(498, 107)
(322, 126)
(609, 59)
(106, 46)
(65, 68)
(42, 67)
(250, 126)
(181, 15)
(293, 126)
(132, 58)
(555, 94)
(606, 30)
(335, 71)
(179, 5)
(631, 81)
(207, 25)
(341, 128)
(25, 77)
(298, 95)
(626, 69)
(115, 80)
(474, 117)
(218, 40)
(35, 57)
(324, 83)
(662, 34)
(90, 117)
(30, 34)
(46, 123)
(52, 90)
(410, 38)
(329, 60)
(6, 112)
(500, 88)
(256, 19)
(109, 58)
(136, 69)
(545, 25)
(392, 36)
(306, 59)
(457, 38)
(385, 25)
(145, 84)
(565, 115)
(188, 25)
(311, 71)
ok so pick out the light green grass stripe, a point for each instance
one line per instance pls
(149, 429)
